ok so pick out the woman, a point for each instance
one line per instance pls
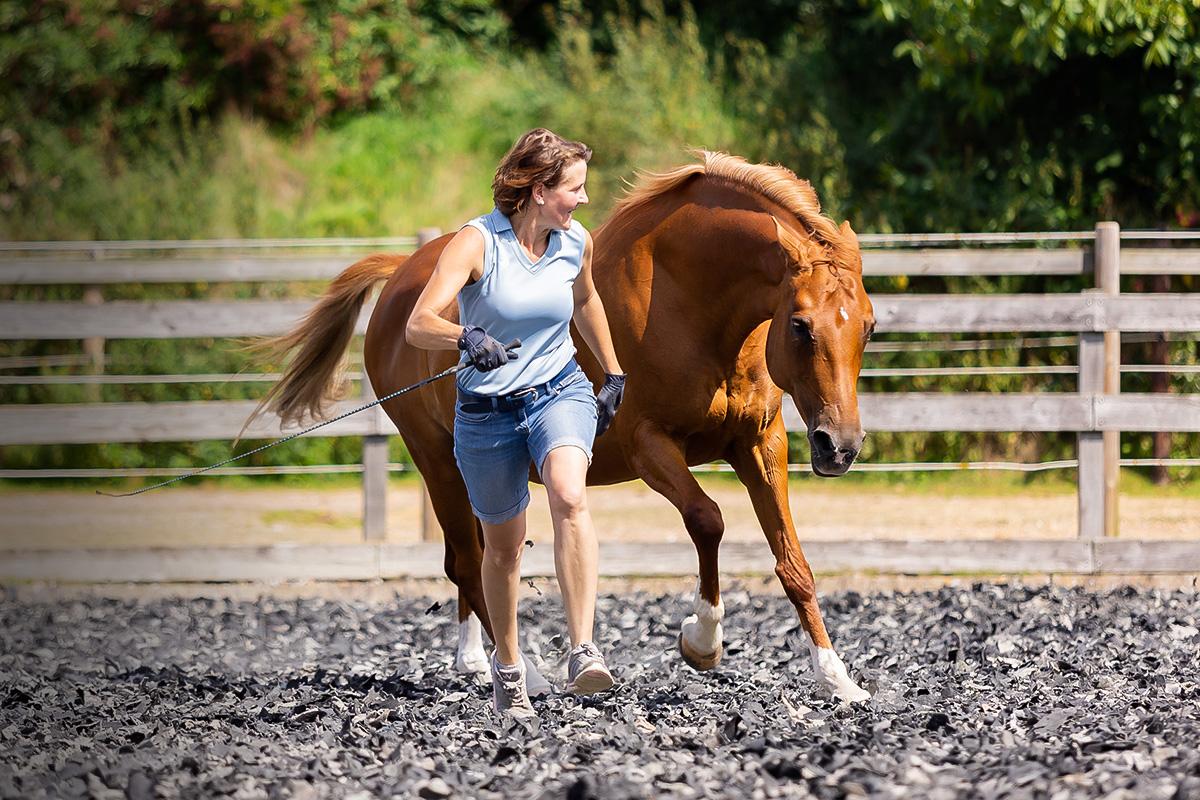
(524, 272)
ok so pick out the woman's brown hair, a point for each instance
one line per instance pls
(539, 156)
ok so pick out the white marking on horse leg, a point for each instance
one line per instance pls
(535, 684)
(471, 657)
(702, 630)
(831, 674)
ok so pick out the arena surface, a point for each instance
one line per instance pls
(984, 690)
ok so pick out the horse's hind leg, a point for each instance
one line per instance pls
(470, 656)
(463, 555)
(660, 463)
(763, 469)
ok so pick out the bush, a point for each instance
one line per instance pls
(88, 86)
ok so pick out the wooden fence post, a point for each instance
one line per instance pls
(375, 475)
(431, 531)
(1090, 445)
(1108, 282)
(93, 347)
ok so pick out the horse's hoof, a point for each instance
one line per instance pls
(471, 663)
(470, 657)
(832, 676)
(699, 661)
(851, 692)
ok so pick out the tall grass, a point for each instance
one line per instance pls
(639, 107)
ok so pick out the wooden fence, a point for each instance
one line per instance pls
(1097, 412)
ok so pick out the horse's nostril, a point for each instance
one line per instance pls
(831, 451)
(822, 442)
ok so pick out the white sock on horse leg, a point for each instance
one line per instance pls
(471, 658)
(702, 630)
(831, 673)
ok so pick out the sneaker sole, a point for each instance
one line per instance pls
(591, 681)
(520, 712)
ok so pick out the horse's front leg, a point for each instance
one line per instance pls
(762, 467)
(658, 461)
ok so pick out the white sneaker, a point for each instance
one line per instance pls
(586, 671)
(508, 689)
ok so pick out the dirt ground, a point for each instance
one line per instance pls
(190, 516)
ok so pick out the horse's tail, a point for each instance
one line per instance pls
(315, 375)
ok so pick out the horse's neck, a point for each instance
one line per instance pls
(711, 275)
(735, 284)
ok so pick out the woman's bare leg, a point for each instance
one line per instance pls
(576, 552)
(501, 574)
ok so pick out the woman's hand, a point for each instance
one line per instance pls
(485, 352)
(608, 400)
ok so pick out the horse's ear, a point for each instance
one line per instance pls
(793, 245)
(848, 233)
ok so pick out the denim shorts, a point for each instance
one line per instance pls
(495, 448)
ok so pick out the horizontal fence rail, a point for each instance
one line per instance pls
(196, 421)
(1091, 323)
(173, 319)
(199, 319)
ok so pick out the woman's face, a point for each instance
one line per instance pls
(560, 201)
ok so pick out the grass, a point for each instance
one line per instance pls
(989, 483)
(312, 518)
(940, 483)
(1138, 484)
(971, 483)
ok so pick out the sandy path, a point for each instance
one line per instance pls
(188, 516)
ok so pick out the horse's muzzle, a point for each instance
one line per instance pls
(832, 455)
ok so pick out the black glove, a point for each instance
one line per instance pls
(484, 352)
(607, 401)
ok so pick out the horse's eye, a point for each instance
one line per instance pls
(870, 330)
(802, 329)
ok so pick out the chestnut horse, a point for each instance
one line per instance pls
(722, 282)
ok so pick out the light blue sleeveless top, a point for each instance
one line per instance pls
(516, 299)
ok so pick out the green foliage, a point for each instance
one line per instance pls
(644, 104)
(128, 68)
(948, 36)
(1050, 114)
(92, 90)
(929, 115)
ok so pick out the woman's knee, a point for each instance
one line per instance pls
(503, 557)
(565, 476)
(570, 503)
(503, 543)
(567, 493)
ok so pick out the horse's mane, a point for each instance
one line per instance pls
(774, 182)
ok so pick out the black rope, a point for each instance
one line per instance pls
(443, 374)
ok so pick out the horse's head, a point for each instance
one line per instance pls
(820, 328)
